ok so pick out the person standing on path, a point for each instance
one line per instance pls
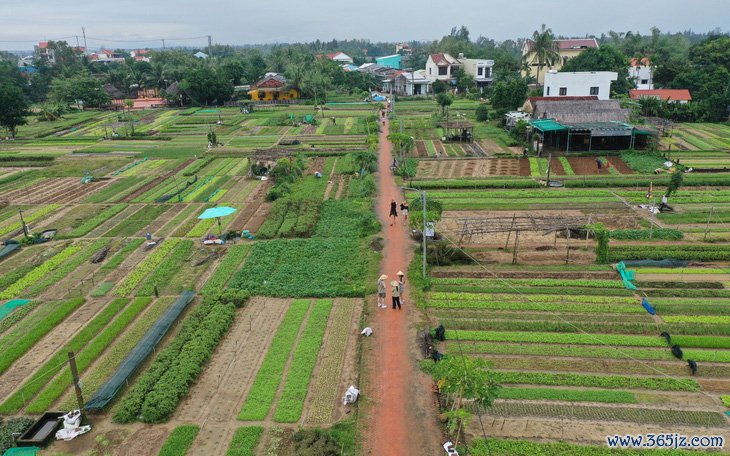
(404, 211)
(401, 286)
(393, 211)
(381, 291)
(396, 293)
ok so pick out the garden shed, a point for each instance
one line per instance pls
(458, 130)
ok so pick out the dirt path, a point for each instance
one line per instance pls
(217, 397)
(399, 415)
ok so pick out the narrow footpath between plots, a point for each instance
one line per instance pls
(400, 417)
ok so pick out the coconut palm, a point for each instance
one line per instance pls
(545, 48)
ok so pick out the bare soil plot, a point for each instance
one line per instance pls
(593, 432)
(478, 168)
(587, 166)
(54, 190)
(421, 149)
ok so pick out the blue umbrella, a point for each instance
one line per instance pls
(217, 213)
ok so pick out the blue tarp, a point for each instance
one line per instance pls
(649, 308)
(214, 212)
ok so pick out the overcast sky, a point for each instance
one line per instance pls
(24, 22)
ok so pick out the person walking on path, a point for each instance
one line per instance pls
(404, 211)
(393, 211)
(381, 291)
(396, 293)
(401, 286)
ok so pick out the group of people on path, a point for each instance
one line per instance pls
(397, 290)
(394, 211)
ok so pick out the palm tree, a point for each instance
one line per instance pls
(545, 48)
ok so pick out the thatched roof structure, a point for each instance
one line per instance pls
(580, 111)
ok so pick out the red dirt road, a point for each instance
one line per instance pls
(400, 417)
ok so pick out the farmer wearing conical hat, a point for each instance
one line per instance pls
(401, 286)
(395, 292)
(381, 291)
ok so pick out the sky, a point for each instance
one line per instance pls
(142, 23)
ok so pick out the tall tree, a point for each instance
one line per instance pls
(14, 107)
(545, 48)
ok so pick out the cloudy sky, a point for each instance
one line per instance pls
(23, 22)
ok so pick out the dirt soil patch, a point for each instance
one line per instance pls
(583, 166)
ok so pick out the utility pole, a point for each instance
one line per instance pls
(22, 222)
(210, 47)
(77, 384)
(423, 203)
(83, 32)
(550, 159)
(163, 44)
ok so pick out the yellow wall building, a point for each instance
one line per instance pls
(273, 87)
(567, 50)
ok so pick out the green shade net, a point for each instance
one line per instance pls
(21, 451)
(139, 353)
(626, 276)
(11, 305)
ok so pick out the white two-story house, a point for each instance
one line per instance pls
(579, 84)
(441, 67)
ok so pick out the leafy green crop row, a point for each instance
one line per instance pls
(571, 395)
(67, 267)
(88, 355)
(96, 220)
(145, 267)
(669, 234)
(245, 440)
(51, 367)
(535, 282)
(228, 267)
(14, 349)
(38, 273)
(598, 381)
(291, 402)
(165, 270)
(179, 440)
(307, 267)
(262, 392)
(158, 391)
(324, 397)
(122, 254)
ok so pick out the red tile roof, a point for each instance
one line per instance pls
(43, 44)
(643, 62)
(662, 94)
(443, 59)
(579, 43)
